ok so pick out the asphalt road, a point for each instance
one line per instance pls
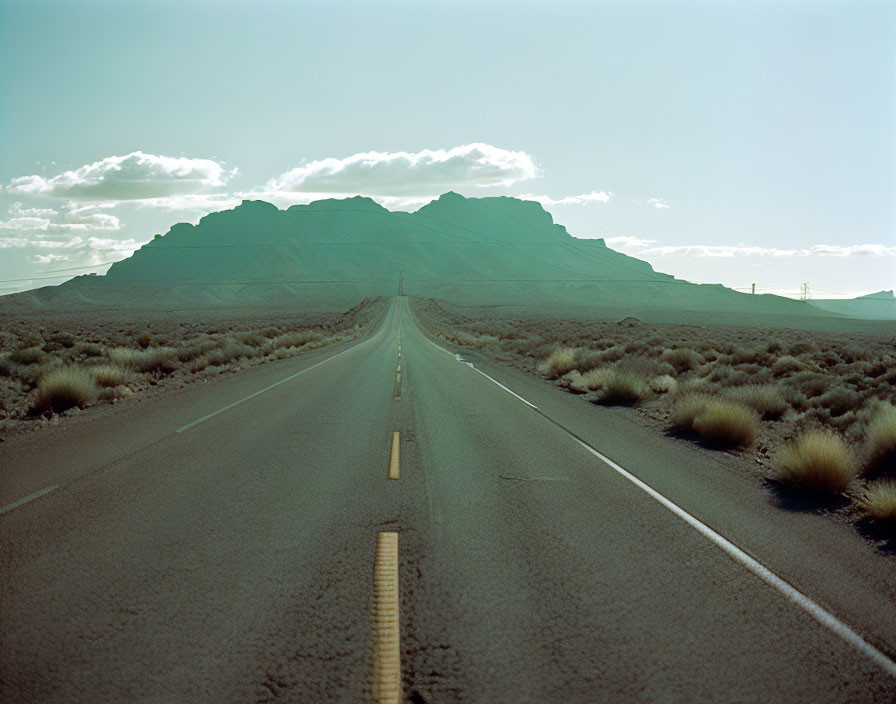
(236, 559)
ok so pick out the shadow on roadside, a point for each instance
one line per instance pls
(801, 500)
(883, 536)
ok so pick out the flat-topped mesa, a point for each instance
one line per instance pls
(354, 203)
(492, 250)
(502, 218)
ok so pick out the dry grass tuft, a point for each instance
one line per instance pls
(766, 399)
(64, 388)
(726, 423)
(621, 387)
(686, 409)
(717, 421)
(559, 362)
(664, 384)
(28, 355)
(880, 443)
(109, 375)
(817, 461)
(879, 502)
(682, 359)
(786, 365)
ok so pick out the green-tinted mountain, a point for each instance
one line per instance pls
(465, 250)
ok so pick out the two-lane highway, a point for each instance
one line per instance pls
(383, 522)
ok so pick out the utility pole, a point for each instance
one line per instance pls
(754, 290)
(401, 282)
(804, 292)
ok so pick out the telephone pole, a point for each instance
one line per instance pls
(401, 282)
(804, 292)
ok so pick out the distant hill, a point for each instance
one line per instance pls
(466, 250)
(874, 306)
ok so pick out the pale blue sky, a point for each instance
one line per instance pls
(767, 128)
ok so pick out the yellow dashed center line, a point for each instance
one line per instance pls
(386, 677)
(394, 457)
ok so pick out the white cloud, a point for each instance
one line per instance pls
(102, 249)
(133, 176)
(205, 202)
(582, 199)
(73, 218)
(50, 258)
(39, 242)
(19, 209)
(25, 224)
(628, 242)
(855, 250)
(395, 174)
(657, 202)
(640, 247)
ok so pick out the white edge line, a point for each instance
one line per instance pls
(825, 618)
(30, 497)
(258, 393)
(470, 365)
(512, 393)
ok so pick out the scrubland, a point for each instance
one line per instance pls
(814, 410)
(55, 364)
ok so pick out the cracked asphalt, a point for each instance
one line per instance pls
(233, 561)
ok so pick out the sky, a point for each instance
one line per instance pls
(731, 142)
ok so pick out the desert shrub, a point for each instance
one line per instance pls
(664, 384)
(108, 375)
(817, 460)
(303, 337)
(574, 381)
(853, 353)
(645, 366)
(587, 359)
(623, 387)
(754, 370)
(879, 502)
(839, 400)
(197, 365)
(682, 358)
(687, 406)
(28, 355)
(144, 340)
(253, 338)
(228, 352)
(64, 388)
(612, 354)
(750, 354)
(560, 361)
(595, 379)
(799, 347)
(718, 421)
(63, 339)
(161, 360)
(766, 399)
(880, 443)
(811, 384)
(188, 353)
(726, 423)
(89, 349)
(786, 364)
